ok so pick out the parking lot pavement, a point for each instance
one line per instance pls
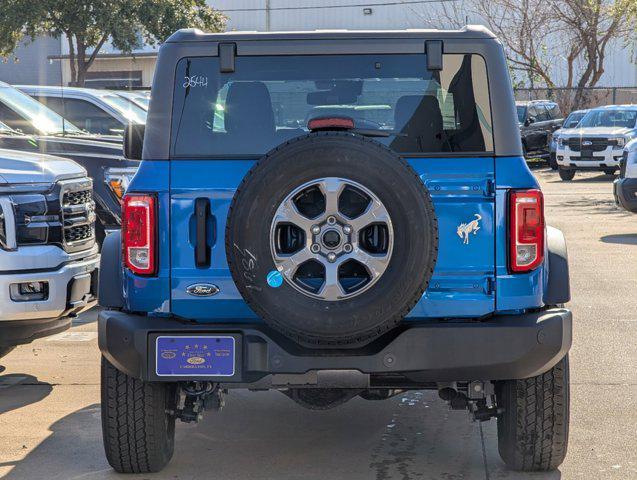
(50, 416)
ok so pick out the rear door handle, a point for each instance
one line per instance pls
(202, 248)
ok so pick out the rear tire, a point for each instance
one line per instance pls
(566, 174)
(139, 434)
(533, 430)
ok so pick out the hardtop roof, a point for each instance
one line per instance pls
(469, 32)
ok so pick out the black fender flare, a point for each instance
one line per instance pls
(558, 287)
(111, 293)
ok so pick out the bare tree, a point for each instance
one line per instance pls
(525, 27)
(589, 26)
(553, 43)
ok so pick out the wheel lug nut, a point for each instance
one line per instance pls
(331, 220)
(347, 248)
(316, 229)
(315, 248)
(347, 229)
(331, 257)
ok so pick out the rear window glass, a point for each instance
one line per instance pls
(270, 99)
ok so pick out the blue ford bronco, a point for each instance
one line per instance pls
(331, 215)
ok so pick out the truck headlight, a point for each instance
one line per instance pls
(118, 180)
(7, 225)
(562, 141)
(620, 142)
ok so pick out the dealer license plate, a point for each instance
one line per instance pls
(195, 356)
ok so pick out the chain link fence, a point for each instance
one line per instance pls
(591, 97)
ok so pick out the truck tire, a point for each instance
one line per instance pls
(139, 434)
(372, 280)
(533, 429)
(566, 174)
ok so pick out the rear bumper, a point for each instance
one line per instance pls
(504, 347)
(625, 190)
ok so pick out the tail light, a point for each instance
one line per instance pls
(526, 230)
(139, 229)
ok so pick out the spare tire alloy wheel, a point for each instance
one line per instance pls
(332, 239)
(336, 254)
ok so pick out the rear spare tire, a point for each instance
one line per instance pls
(332, 239)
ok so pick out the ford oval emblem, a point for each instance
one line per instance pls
(587, 143)
(202, 290)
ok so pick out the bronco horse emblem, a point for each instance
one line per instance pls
(464, 229)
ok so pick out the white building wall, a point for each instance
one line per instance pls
(289, 15)
(286, 15)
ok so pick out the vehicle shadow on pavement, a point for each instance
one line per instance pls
(597, 179)
(18, 390)
(264, 436)
(621, 238)
(87, 317)
(73, 449)
(594, 206)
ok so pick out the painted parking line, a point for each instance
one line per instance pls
(73, 337)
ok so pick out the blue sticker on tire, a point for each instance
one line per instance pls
(275, 279)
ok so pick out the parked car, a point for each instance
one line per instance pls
(329, 260)
(625, 187)
(537, 120)
(49, 133)
(139, 98)
(23, 114)
(95, 111)
(48, 255)
(598, 141)
(570, 122)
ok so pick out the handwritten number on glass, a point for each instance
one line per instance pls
(195, 81)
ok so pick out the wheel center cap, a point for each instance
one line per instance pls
(331, 239)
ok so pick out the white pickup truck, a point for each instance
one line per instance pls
(48, 256)
(598, 141)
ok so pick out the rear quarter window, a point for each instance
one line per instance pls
(270, 99)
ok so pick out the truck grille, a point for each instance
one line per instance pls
(77, 198)
(74, 234)
(78, 215)
(596, 144)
